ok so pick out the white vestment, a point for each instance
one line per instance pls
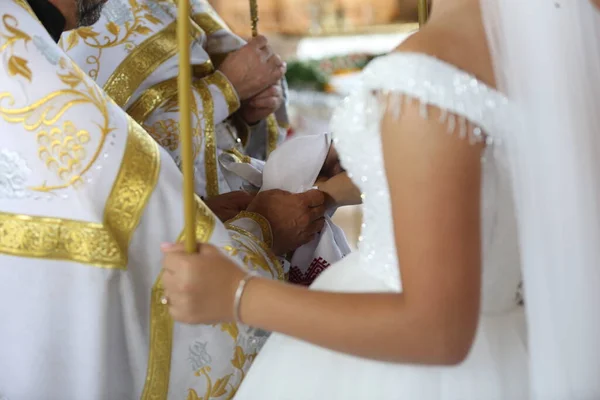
(132, 53)
(86, 199)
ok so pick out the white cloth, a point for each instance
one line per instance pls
(496, 367)
(544, 52)
(294, 167)
(86, 199)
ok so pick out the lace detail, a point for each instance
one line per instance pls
(13, 175)
(468, 107)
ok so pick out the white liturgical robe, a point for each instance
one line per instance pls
(86, 199)
(132, 53)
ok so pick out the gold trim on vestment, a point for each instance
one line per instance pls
(208, 23)
(151, 99)
(272, 134)
(220, 81)
(102, 245)
(262, 222)
(267, 251)
(158, 373)
(238, 156)
(210, 140)
(159, 94)
(203, 70)
(142, 62)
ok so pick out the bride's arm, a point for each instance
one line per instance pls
(434, 182)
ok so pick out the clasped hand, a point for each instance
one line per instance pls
(255, 72)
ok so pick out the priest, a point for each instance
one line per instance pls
(131, 53)
(86, 199)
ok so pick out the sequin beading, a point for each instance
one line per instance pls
(465, 102)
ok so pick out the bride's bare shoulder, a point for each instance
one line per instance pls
(464, 48)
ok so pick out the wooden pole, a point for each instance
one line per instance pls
(423, 10)
(254, 17)
(184, 82)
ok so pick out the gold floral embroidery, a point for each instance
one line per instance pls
(238, 156)
(161, 324)
(44, 114)
(210, 142)
(141, 62)
(220, 81)
(213, 390)
(166, 133)
(103, 245)
(63, 150)
(223, 386)
(114, 35)
(16, 65)
(25, 5)
(272, 134)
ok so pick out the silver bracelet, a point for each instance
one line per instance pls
(238, 297)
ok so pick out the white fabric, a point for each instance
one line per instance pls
(547, 55)
(322, 47)
(294, 167)
(72, 327)
(242, 175)
(496, 368)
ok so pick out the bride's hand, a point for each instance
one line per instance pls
(199, 287)
(340, 191)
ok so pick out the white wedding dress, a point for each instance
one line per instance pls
(496, 368)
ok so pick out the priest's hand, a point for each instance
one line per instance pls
(295, 218)
(253, 68)
(227, 206)
(262, 105)
(200, 287)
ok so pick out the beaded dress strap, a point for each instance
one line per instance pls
(460, 96)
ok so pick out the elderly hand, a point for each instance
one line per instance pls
(295, 218)
(200, 287)
(228, 205)
(253, 68)
(262, 105)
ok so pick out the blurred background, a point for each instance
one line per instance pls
(325, 43)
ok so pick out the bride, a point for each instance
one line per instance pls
(427, 308)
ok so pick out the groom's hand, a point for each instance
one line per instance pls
(227, 206)
(295, 218)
